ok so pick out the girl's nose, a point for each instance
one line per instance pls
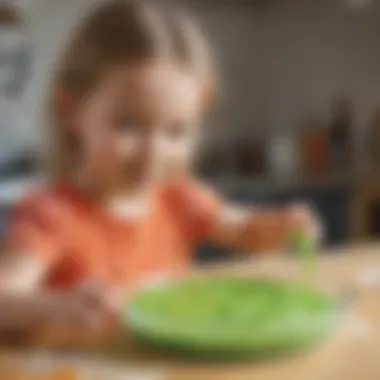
(143, 149)
(130, 148)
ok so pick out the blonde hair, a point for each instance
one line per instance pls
(115, 33)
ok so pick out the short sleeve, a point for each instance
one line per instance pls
(31, 229)
(196, 207)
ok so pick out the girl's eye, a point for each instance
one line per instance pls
(126, 125)
(177, 131)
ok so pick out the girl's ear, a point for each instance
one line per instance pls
(209, 97)
(65, 107)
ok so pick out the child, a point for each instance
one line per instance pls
(121, 207)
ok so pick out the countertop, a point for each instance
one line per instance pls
(352, 353)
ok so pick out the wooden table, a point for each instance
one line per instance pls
(352, 353)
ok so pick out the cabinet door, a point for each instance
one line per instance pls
(332, 206)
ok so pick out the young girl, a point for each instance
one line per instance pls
(126, 105)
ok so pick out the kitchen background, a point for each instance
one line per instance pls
(298, 117)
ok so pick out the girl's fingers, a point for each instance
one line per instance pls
(86, 316)
(304, 217)
(269, 232)
(97, 295)
(92, 307)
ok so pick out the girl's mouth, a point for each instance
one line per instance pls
(136, 174)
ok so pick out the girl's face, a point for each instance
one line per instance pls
(139, 126)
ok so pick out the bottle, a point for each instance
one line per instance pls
(341, 135)
(283, 158)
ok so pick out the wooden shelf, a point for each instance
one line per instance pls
(366, 192)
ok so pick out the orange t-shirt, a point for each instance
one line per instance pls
(80, 240)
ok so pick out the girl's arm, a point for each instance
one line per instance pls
(20, 276)
(24, 305)
(204, 216)
(260, 230)
(20, 273)
(38, 235)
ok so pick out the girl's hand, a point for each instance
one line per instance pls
(83, 318)
(93, 306)
(302, 218)
(66, 318)
(273, 230)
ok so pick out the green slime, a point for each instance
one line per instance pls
(231, 315)
(305, 248)
(235, 316)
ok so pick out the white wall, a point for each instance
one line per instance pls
(276, 64)
(318, 52)
(49, 22)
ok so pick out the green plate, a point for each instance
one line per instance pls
(221, 317)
